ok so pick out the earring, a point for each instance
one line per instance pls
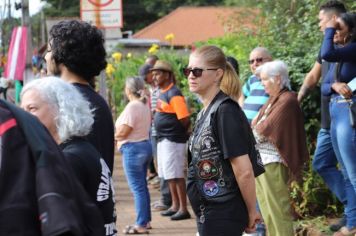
(346, 38)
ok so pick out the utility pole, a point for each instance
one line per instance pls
(8, 9)
(26, 22)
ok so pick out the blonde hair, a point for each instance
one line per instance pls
(214, 57)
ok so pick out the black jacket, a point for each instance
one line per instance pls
(39, 194)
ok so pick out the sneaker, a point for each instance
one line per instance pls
(155, 181)
(150, 177)
(158, 206)
(335, 227)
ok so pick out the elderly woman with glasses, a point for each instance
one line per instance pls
(281, 141)
(68, 118)
(221, 184)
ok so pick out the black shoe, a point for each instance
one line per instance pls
(180, 216)
(168, 212)
(335, 227)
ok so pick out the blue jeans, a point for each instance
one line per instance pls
(343, 138)
(325, 164)
(136, 157)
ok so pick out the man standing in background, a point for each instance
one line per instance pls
(324, 161)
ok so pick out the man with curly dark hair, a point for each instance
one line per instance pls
(76, 53)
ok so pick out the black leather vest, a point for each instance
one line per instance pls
(212, 174)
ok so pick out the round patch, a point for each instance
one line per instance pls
(207, 142)
(210, 188)
(207, 169)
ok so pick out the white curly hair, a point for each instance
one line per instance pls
(73, 115)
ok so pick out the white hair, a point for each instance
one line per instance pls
(273, 69)
(73, 115)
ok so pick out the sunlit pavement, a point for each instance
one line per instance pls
(126, 210)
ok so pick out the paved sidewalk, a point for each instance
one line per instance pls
(126, 211)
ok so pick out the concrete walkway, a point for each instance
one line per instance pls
(126, 215)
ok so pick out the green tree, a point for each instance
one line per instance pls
(137, 14)
(61, 8)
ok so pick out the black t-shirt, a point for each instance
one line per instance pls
(235, 134)
(165, 121)
(325, 100)
(231, 128)
(94, 175)
(102, 133)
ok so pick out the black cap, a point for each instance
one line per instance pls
(144, 70)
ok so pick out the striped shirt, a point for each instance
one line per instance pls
(255, 97)
(154, 97)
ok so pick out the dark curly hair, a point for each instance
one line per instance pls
(80, 47)
(349, 19)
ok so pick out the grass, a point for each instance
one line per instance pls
(315, 226)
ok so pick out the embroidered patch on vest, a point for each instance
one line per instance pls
(207, 142)
(207, 169)
(210, 188)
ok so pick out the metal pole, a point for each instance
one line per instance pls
(26, 22)
(102, 80)
(9, 9)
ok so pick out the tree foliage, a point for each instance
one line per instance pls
(62, 8)
(137, 14)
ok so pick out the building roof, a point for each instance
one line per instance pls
(193, 24)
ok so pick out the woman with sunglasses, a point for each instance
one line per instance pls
(342, 31)
(221, 184)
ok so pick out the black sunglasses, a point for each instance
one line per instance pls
(258, 60)
(197, 72)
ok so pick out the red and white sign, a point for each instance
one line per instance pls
(102, 13)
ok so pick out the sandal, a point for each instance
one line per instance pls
(344, 231)
(132, 229)
(148, 225)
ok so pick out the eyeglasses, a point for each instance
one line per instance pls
(258, 60)
(197, 72)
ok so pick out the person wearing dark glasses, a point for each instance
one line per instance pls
(220, 183)
(253, 95)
